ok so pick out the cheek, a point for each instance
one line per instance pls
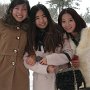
(37, 23)
(13, 14)
(46, 20)
(74, 25)
(26, 14)
(63, 25)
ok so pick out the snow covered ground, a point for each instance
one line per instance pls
(31, 80)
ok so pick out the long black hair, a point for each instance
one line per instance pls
(80, 23)
(52, 37)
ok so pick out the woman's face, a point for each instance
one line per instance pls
(19, 12)
(68, 23)
(41, 20)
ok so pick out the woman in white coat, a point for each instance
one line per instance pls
(45, 42)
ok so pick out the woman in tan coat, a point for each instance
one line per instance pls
(13, 37)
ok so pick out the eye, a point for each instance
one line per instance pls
(63, 21)
(16, 8)
(24, 8)
(44, 15)
(71, 20)
(36, 18)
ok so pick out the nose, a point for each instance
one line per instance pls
(67, 23)
(41, 20)
(19, 11)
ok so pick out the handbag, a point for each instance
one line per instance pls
(85, 88)
(66, 79)
(70, 78)
(75, 85)
(75, 78)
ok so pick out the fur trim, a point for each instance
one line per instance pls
(84, 43)
(83, 51)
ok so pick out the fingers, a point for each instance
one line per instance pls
(75, 64)
(51, 69)
(43, 61)
(30, 61)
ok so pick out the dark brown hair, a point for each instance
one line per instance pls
(80, 23)
(53, 35)
(9, 19)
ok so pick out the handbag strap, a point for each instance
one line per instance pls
(75, 81)
(69, 58)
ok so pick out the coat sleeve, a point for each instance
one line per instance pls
(60, 58)
(84, 43)
(42, 69)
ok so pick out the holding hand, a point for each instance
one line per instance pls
(31, 60)
(51, 69)
(43, 61)
(75, 61)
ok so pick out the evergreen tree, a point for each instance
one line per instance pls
(58, 5)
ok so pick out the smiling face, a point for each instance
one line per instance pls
(19, 12)
(68, 23)
(41, 20)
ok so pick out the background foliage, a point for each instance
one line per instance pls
(55, 7)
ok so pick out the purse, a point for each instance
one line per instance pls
(85, 88)
(75, 84)
(69, 78)
(66, 79)
(75, 79)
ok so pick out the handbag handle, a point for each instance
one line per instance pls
(75, 81)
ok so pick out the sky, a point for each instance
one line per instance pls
(83, 5)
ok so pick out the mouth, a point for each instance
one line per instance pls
(19, 16)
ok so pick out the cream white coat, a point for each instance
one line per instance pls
(83, 51)
(43, 80)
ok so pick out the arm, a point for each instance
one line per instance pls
(60, 58)
(84, 43)
(42, 69)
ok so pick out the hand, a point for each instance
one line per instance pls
(30, 60)
(43, 61)
(51, 69)
(75, 61)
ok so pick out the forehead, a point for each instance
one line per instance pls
(66, 15)
(39, 12)
(21, 5)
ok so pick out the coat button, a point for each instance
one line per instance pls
(18, 28)
(13, 63)
(18, 38)
(15, 51)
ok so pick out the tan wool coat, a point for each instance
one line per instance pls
(13, 74)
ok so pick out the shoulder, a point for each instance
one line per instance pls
(2, 24)
(85, 34)
(85, 31)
